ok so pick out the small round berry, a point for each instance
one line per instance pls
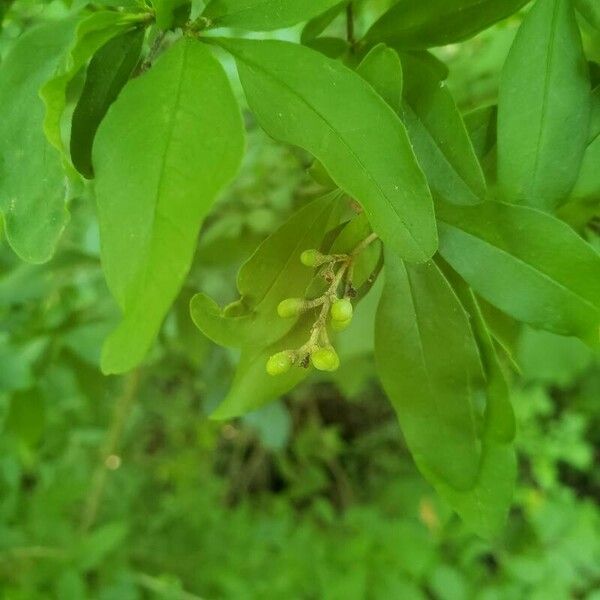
(311, 258)
(340, 325)
(325, 359)
(341, 310)
(279, 363)
(290, 307)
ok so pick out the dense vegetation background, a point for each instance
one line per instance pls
(121, 488)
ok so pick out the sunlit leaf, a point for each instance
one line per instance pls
(168, 145)
(303, 98)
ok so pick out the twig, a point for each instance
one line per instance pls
(163, 588)
(109, 448)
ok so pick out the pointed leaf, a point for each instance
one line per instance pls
(543, 108)
(303, 98)
(429, 365)
(168, 145)
(32, 181)
(526, 263)
(382, 68)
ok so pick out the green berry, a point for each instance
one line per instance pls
(279, 363)
(325, 359)
(340, 325)
(341, 310)
(311, 258)
(290, 307)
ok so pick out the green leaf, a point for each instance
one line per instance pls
(32, 182)
(107, 73)
(411, 24)
(171, 13)
(543, 108)
(382, 68)
(303, 98)
(439, 136)
(264, 15)
(169, 144)
(587, 185)
(526, 263)
(429, 365)
(92, 33)
(272, 273)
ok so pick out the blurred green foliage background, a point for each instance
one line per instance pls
(123, 489)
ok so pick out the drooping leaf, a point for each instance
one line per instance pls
(429, 365)
(439, 136)
(92, 33)
(32, 182)
(107, 73)
(543, 108)
(484, 507)
(274, 272)
(168, 145)
(411, 24)
(303, 98)
(382, 68)
(171, 13)
(527, 263)
(264, 15)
